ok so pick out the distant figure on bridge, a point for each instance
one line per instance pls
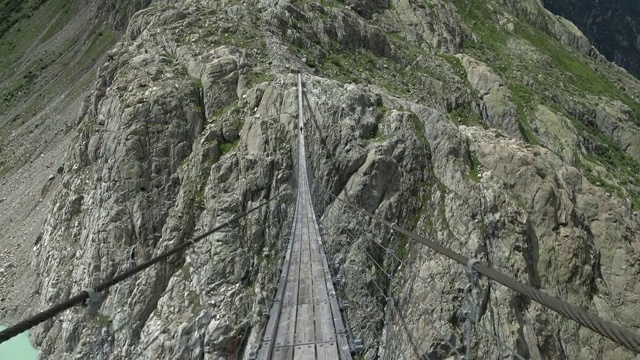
(300, 128)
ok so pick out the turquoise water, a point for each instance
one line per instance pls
(18, 348)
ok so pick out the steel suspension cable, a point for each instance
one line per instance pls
(429, 319)
(390, 277)
(84, 295)
(605, 328)
(477, 323)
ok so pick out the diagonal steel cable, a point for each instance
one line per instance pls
(477, 323)
(84, 295)
(428, 316)
(605, 328)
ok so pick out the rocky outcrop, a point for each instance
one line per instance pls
(615, 121)
(557, 134)
(497, 108)
(191, 122)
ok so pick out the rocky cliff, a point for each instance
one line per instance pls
(492, 127)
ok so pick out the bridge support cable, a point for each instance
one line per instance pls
(480, 326)
(353, 340)
(84, 295)
(305, 319)
(331, 216)
(610, 330)
(469, 315)
(390, 277)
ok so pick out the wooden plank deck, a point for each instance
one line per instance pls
(305, 321)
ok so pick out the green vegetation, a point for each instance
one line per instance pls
(473, 169)
(467, 116)
(22, 22)
(403, 248)
(102, 40)
(186, 272)
(455, 63)
(561, 76)
(101, 320)
(525, 99)
(420, 131)
(12, 11)
(227, 147)
(581, 76)
(329, 3)
(64, 11)
(198, 84)
(374, 136)
(260, 77)
(199, 198)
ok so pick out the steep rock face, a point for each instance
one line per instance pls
(50, 53)
(497, 108)
(557, 134)
(191, 122)
(143, 177)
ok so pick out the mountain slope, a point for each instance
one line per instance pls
(611, 26)
(492, 127)
(50, 52)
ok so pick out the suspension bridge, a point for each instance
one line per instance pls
(307, 320)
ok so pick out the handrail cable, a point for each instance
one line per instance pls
(338, 288)
(84, 295)
(482, 327)
(430, 320)
(605, 328)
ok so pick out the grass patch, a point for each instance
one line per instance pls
(228, 147)
(455, 63)
(260, 77)
(198, 84)
(21, 22)
(194, 301)
(101, 320)
(467, 116)
(186, 272)
(578, 73)
(64, 12)
(224, 110)
(329, 3)
(474, 173)
(101, 41)
(420, 131)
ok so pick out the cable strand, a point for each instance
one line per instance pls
(80, 298)
(605, 328)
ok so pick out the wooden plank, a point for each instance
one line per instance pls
(320, 293)
(305, 352)
(324, 323)
(327, 351)
(290, 297)
(264, 348)
(286, 326)
(345, 352)
(305, 329)
(283, 353)
(305, 289)
(272, 324)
